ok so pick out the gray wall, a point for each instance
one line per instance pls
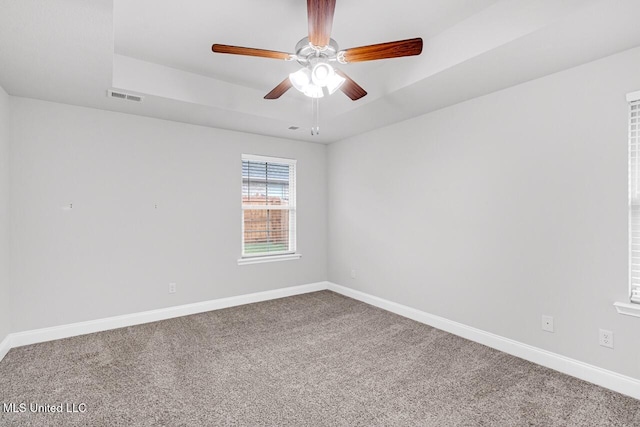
(113, 253)
(5, 315)
(498, 210)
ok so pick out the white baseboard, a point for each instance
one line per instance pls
(65, 331)
(593, 374)
(602, 377)
(5, 346)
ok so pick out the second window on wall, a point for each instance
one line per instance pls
(268, 206)
(634, 196)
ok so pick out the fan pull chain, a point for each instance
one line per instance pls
(315, 113)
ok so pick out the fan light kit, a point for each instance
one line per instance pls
(316, 54)
(315, 83)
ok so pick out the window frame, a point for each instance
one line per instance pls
(291, 208)
(631, 307)
(633, 99)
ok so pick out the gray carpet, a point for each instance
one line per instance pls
(318, 359)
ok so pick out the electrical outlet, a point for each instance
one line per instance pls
(606, 338)
(172, 288)
(547, 323)
(353, 274)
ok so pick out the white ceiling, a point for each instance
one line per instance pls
(72, 51)
(180, 34)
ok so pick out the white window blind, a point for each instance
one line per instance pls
(268, 206)
(634, 198)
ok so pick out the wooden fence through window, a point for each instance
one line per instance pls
(262, 226)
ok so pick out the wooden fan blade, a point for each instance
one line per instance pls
(249, 51)
(384, 50)
(350, 88)
(279, 90)
(320, 15)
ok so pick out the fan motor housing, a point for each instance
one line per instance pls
(306, 52)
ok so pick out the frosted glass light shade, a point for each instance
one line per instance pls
(317, 82)
(300, 79)
(334, 83)
(313, 91)
(321, 74)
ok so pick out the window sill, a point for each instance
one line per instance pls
(628, 309)
(268, 258)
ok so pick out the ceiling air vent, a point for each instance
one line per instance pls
(294, 127)
(123, 95)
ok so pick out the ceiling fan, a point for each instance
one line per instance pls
(315, 53)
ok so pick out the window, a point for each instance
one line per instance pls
(268, 208)
(634, 196)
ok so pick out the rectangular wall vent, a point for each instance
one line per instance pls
(294, 127)
(122, 95)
